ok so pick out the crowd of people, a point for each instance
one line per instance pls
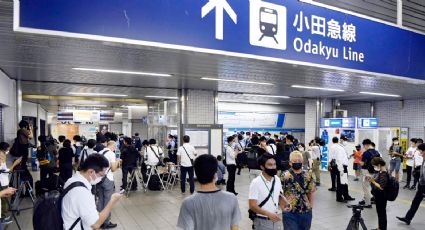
(282, 193)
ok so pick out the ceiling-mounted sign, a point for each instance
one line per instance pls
(285, 31)
(367, 123)
(251, 120)
(349, 122)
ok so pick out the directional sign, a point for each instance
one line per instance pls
(220, 6)
(367, 123)
(287, 31)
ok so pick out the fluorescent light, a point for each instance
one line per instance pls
(162, 97)
(381, 94)
(124, 72)
(259, 95)
(318, 88)
(87, 105)
(250, 102)
(238, 81)
(97, 94)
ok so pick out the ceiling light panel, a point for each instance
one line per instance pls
(97, 94)
(316, 88)
(237, 81)
(124, 72)
(380, 94)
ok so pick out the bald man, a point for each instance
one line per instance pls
(106, 187)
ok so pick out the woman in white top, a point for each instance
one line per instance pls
(409, 161)
(153, 153)
(271, 147)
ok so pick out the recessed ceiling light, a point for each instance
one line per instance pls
(162, 97)
(260, 95)
(250, 102)
(97, 94)
(381, 94)
(87, 105)
(124, 72)
(238, 81)
(318, 88)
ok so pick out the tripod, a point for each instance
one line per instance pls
(135, 175)
(356, 220)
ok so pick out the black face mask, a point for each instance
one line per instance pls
(297, 166)
(271, 172)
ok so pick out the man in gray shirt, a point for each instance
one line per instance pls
(209, 208)
(419, 194)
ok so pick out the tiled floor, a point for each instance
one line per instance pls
(159, 210)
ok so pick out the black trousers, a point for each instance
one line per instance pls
(65, 171)
(183, 172)
(381, 209)
(230, 187)
(341, 189)
(409, 175)
(416, 202)
(334, 173)
(125, 171)
(416, 175)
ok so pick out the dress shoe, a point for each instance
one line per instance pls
(403, 219)
(332, 189)
(341, 201)
(350, 199)
(406, 187)
(413, 187)
(109, 226)
(235, 193)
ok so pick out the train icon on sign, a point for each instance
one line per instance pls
(267, 24)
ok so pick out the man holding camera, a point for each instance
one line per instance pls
(265, 196)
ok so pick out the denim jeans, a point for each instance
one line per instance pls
(297, 221)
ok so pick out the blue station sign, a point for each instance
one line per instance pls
(349, 122)
(367, 123)
(287, 31)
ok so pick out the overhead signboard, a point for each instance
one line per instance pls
(367, 123)
(349, 122)
(284, 31)
(251, 120)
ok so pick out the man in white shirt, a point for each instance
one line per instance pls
(341, 158)
(409, 162)
(105, 189)
(153, 153)
(231, 154)
(265, 198)
(79, 205)
(316, 155)
(185, 157)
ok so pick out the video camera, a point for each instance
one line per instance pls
(356, 207)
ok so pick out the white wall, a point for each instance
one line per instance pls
(8, 101)
(310, 119)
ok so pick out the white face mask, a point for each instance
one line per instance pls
(395, 142)
(96, 180)
(376, 168)
(301, 149)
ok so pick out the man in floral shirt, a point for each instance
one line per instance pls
(298, 188)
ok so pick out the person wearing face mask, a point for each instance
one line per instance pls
(210, 207)
(396, 158)
(79, 205)
(298, 188)
(378, 183)
(265, 201)
(105, 189)
(231, 155)
(307, 162)
(341, 160)
(409, 162)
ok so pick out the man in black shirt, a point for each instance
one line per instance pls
(129, 157)
(367, 170)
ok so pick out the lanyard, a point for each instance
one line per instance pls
(274, 203)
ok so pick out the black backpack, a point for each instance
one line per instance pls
(154, 183)
(391, 190)
(252, 156)
(48, 210)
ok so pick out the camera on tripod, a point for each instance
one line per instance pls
(356, 220)
(356, 208)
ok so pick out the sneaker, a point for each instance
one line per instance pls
(403, 219)
(109, 226)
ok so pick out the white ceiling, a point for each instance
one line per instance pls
(44, 64)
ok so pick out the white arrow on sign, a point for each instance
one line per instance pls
(220, 6)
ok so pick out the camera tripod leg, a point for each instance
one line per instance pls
(362, 224)
(353, 224)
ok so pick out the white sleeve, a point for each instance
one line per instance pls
(179, 151)
(111, 157)
(253, 191)
(87, 209)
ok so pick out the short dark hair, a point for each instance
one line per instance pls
(240, 137)
(230, 139)
(242, 132)
(186, 139)
(366, 142)
(95, 161)
(419, 141)
(152, 142)
(271, 141)
(76, 138)
(23, 124)
(4, 146)
(255, 140)
(136, 134)
(421, 147)
(335, 140)
(302, 145)
(248, 133)
(145, 142)
(67, 143)
(373, 144)
(290, 138)
(395, 138)
(378, 161)
(263, 138)
(219, 157)
(91, 143)
(205, 168)
(413, 140)
(61, 138)
(264, 158)
(127, 140)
